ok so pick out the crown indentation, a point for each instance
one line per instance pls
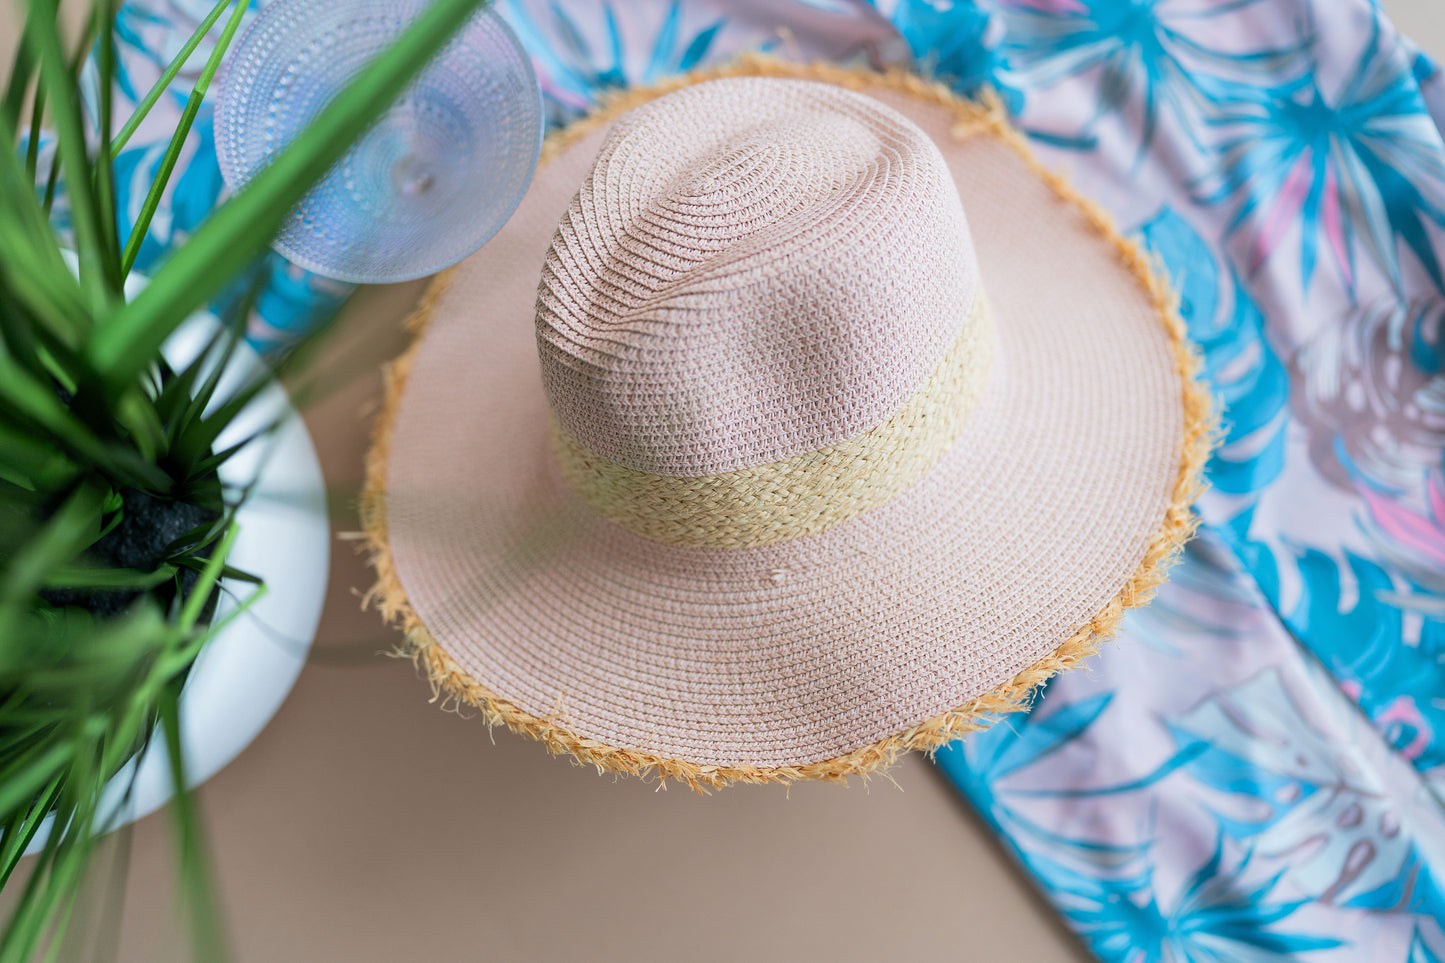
(720, 297)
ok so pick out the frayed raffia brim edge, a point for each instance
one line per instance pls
(451, 683)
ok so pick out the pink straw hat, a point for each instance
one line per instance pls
(796, 418)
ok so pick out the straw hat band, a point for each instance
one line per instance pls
(797, 496)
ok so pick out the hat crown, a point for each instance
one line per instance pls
(754, 269)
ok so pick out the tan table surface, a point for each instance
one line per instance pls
(365, 824)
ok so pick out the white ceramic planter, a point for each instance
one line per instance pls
(243, 675)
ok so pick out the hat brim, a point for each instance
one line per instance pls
(1059, 507)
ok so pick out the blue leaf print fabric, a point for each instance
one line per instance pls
(1260, 766)
(582, 50)
(1256, 773)
(1208, 793)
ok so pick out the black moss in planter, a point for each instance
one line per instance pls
(146, 535)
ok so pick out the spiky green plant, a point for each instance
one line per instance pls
(114, 528)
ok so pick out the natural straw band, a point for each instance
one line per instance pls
(797, 496)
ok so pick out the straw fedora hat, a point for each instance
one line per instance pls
(797, 418)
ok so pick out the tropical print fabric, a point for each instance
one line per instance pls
(1255, 771)
(582, 50)
(1207, 793)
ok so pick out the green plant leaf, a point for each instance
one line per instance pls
(28, 397)
(68, 532)
(26, 775)
(28, 461)
(31, 263)
(198, 891)
(32, 139)
(182, 400)
(197, 436)
(93, 577)
(98, 732)
(22, 72)
(163, 82)
(87, 407)
(178, 140)
(244, 225)
(191, 609)
(137, 413)
(103, 16)
(20, 828)
(99, 280)
(237, 575)
(31, 345)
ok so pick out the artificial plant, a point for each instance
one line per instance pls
(114, 528)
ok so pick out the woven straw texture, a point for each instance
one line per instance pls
(806, 493)
(753, 270)
(1059, 504)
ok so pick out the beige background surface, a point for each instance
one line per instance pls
(1422, 21)
(367, 825)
